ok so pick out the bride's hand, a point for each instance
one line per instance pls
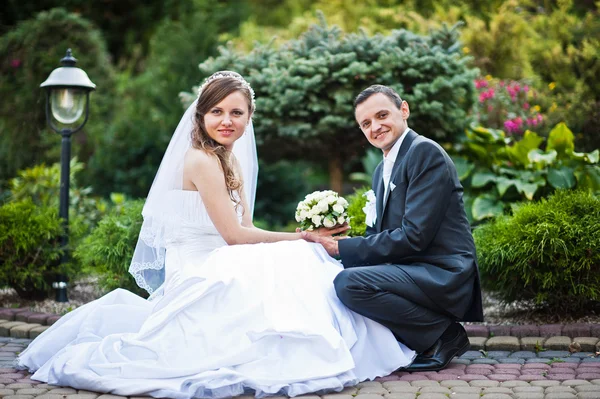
(328, 232)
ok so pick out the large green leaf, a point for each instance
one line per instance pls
(482, 177)
(519, 151)
(463, 167)
(486, 135)
(589, 157)
(542, 159)
(528, 189)
(561, 178)
(588, 178)
(503, 184)
(562, 140)
(486, 206)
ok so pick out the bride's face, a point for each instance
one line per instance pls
(225, 122)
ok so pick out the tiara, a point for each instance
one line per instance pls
(226, 75)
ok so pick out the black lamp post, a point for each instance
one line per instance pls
(67, 98)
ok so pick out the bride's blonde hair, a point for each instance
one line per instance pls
(217, 87)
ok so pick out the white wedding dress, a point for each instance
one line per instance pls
(261, 318)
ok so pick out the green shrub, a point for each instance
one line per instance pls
(29, 248)
(356, 203)
(497, 171)
(547, 251)
(107, 252)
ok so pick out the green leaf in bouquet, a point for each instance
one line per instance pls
(486, 206)
(562, 140)
(561, 178)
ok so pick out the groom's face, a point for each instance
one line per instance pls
(381, 121)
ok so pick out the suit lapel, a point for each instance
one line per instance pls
(379, 195)
(410, 136)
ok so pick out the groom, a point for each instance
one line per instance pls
(415, 271)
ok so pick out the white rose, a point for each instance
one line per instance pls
(341, 220)
(342, 201)
(316, 219)
(298, 218)
(323, 205)
(338, 208)
(304, 214)
(328, 222)
(331, 199)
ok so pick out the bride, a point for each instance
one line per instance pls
(233, 309)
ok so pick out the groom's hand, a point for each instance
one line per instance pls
(328, 242)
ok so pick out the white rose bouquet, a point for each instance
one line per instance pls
(322, 208)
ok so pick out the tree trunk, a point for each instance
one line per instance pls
(336, 175)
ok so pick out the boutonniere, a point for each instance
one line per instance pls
(370, 208)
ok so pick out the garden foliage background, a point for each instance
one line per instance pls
(511, 88)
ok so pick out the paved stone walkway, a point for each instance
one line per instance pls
(477, 374)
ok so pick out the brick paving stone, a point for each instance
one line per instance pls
(472, 355)
(477, 343)
(576, 330)
(558, 365)
(452, 371)
(501, 377)
(391, 377)
(467, 389)
(496, 396)
(542, 366)
(106, 396)
(52, 319)
(460, 361)
(532, 377)
(484, 361)
(582, 355)
(560, 388)
(359, 396)
(444, 377)
(6, 392)
(64, 391)
(529, 389)
(560, 395)
(588, 344)
(5, 327)
(474, 330)
(591, 360)
(337, 396)
(466, 396)
(389, 384)
(588, 388)
(508, 360)
(507, 391)
(573, 383)
(561, 377)
(398, 396)
(507, 371)
(529, 395)
(19, 397)
(95, 395)
(595, 330)
(22, 331)
(514, 384)
(525, 331)
(484, 383)
(558, 343)
(502, 343)
(410, 378)
(589, 376)
(424, 383)
(532, 343)
(495, 354)
(501, 330)
(399, 389)
(574, 360)
(588, 395)
(545, 384)
(433, 396)
(551, 330)
(39, 318)
(453, 384)
(523, 355)
(22, 316)
(537, 361)
(534, 372)
(473, 377)
(373, 390)
(480, 366)
(549, 354)
(6, 314)
(595, 382)
(31, 391)
(438, 389)
(582, 368)
(18, 386)
(368, 384)
(479, 371)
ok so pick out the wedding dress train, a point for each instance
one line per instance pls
(261, 318)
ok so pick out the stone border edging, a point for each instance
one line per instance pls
(531, 330)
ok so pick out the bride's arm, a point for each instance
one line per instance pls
(206, 174)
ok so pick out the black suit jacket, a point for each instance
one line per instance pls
(423, 226)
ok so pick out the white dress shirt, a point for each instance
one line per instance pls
(389, 160)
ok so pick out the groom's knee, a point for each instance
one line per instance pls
(342, 284)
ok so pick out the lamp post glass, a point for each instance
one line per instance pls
(67, 98)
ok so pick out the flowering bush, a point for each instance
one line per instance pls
(322, 208)
(507, 105)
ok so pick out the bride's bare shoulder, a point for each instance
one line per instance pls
(195, 157)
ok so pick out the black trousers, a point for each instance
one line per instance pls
(388, 295)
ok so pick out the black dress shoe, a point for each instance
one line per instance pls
(453, 342)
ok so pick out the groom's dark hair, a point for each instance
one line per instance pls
(374, 89)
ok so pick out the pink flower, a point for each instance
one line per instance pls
(526, 106)
(525, 88)
(539, 117)
(15, 63)
(482, 97)
(481, 83)
(490, 108)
